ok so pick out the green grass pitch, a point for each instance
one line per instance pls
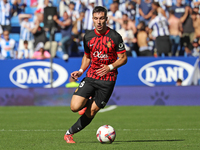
(137, 128)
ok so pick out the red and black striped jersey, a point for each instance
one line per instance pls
(103, 49)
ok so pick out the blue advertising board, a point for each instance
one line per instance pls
(144, 71)
(152, 71)
(36, 73)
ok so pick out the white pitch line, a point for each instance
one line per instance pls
(62, 130)
(108, 108)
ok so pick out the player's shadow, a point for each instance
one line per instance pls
(118, 142)
(175, 140)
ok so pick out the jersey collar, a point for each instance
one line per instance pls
(108, 29)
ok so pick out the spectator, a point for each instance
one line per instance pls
(159, 26)
(196, 47)
(188, 29)
(5, 15)
(78, 34)
(25, 53)
(175, 29)
(142, 42)
(71, 12)
(188, 49)
(66, 29)
(144, 10)
(164, 4)
(128, 37)
(40, 53)
(25, 31)
(80, 6)
(179, 82)
(113, 15)
(42, 4)
(8, 47)
(196, 3)
(196, 24)
(77, 29)
(40, 36)
(131, 24)
(88, 23)
(18, 7)
(99, 3)
(160, 10)
(179, 9)
(130, 10)
(63, 6)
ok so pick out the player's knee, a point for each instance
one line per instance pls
(74, 108)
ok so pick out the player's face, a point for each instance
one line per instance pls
(99, 20)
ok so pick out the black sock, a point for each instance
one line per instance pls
(81, 123)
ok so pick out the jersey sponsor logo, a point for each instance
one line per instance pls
(163, 71)
(100, 55)
(37, 73)
(121, 46)
(109, 44)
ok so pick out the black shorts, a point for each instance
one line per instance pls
(100, 90)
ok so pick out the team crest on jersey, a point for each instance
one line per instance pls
(109, 44)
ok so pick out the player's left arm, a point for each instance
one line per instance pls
(122, 60)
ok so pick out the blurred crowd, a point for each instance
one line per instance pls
(156, 28)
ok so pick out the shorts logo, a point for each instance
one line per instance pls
(82, 84)
(76, 90)
(109, 44)
(103, 103)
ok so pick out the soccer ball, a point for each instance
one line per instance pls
(106, 134)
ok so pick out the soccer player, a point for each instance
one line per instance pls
(104, 52)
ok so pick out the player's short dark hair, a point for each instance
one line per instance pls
(25, 42)
(98, 9)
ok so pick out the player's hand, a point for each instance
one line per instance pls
(103, 70)
(76, 74)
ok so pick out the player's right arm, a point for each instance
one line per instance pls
(84, 65)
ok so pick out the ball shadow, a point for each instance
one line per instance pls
(174, 140)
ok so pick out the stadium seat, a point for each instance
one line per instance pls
(134, 54)
(58, 37)
(56, 3)
(81, 47)
(30, 10)
(15, 36)
(15, 21)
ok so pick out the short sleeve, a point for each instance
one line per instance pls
(86, 48)
(120, 47)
